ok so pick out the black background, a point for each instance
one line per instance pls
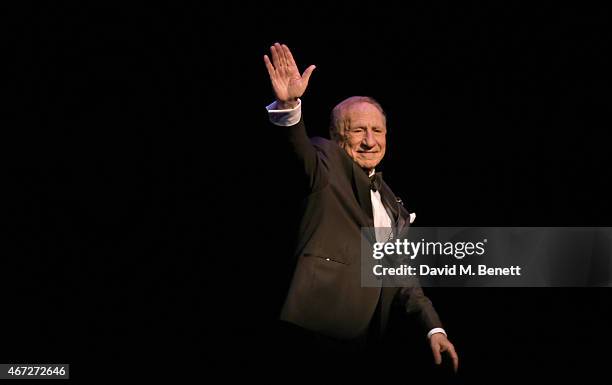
(149, 218)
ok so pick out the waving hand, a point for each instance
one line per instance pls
(287, 83)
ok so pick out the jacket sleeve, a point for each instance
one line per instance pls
(310, 162)
(416, 303)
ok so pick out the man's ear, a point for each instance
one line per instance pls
(334, 135)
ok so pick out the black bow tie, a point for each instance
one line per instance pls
(376, 181)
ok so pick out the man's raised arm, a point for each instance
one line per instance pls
(288, 86)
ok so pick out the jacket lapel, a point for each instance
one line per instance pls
(361, 188)
(360, 184)
(399, 216)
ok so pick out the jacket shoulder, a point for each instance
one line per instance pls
(323, 144)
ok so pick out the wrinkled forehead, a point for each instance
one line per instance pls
(363, 114)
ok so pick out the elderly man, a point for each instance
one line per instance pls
(345, 194)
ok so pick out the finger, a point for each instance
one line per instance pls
(289, 56)
(436, 353)
(275, 58)
(281, 54)
(269, 65)
(307, 73)
(455, 358)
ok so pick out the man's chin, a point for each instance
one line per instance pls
(368, 165)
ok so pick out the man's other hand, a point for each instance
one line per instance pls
(440, 344)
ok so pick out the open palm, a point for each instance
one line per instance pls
(287, 83)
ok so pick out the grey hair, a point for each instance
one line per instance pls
(338, 122)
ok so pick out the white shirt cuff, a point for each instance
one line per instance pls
(434, 331)
(284, 118)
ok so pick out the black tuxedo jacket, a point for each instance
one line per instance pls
(325, 294)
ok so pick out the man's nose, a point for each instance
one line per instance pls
(368, 139)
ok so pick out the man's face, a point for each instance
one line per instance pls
(364, 139)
